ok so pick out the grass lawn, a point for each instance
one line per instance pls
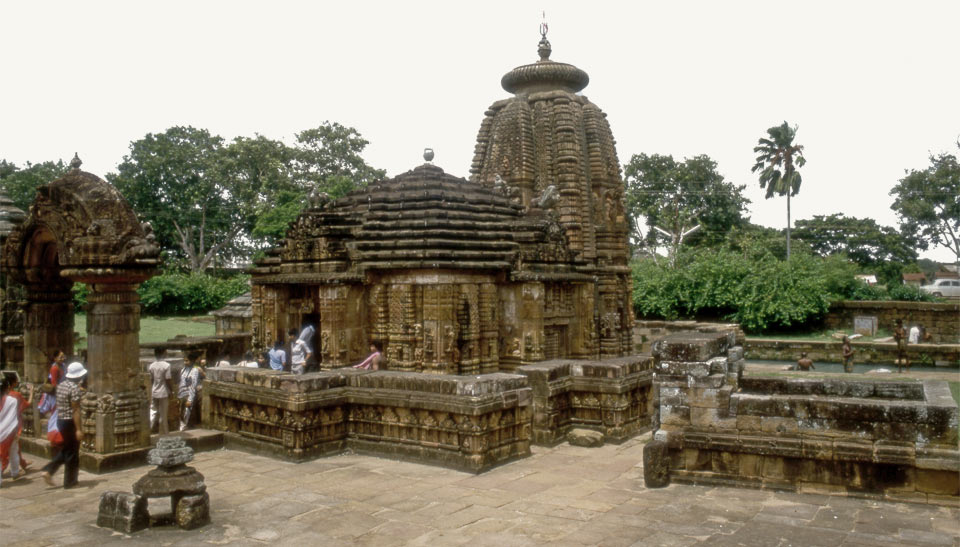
(820, 336)
(955, 391)
(155, 329)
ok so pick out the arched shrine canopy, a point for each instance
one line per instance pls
(81, 229)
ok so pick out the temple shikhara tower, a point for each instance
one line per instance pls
(524, 262)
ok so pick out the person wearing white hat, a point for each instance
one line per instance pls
(69, 394)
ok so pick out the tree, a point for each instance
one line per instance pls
(778, 159)
(209, 199)
(927, 203)
(881, 249)
(176, 180)
(679, 199)
(20, 185)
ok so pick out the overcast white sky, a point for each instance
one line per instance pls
(873, 86)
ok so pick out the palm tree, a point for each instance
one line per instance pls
(778, 160)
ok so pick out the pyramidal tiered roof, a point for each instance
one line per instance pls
(427, 218)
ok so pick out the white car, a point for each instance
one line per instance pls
(943, 288)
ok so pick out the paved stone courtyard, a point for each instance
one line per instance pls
(560, 496)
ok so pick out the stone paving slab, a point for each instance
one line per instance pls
(564, 496)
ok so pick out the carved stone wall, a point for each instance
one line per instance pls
(614, 397)
(466, 423)
(896, 440)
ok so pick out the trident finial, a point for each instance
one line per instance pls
(544, 49)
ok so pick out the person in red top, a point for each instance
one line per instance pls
(56, 369)
(13, 382)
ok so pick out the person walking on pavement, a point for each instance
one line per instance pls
(162, 387)
(70, 424)
(190, 378)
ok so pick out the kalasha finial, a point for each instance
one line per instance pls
(428, 154)
(544, 49)
(75, 162)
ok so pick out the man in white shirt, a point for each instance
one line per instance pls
(160, 392)
(914, 335)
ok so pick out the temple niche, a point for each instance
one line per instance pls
(524, 262)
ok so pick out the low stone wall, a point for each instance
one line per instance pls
(895, 440)
(469, 423)
(864, 352)
(613, 397)
(941, 320)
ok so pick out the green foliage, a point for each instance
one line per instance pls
(758, 291)
(879, 250)
(79, 291)
(778, 160)
(676, 195)
(909, 293)
(20, 185)
(176, 293)
(210, 200)
(928, 204)
(189, 293)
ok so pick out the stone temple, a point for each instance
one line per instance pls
(524, 262)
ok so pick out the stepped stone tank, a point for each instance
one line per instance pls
(524, 262)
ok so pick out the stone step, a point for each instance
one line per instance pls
(200, 440)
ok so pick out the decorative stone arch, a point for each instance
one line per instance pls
(81, 229)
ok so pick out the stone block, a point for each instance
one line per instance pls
(656, 464)
(938, 458)
(903, 453)
(193, 511)
(748, 423)
(123, 512)
(690, 346)
(585, 437)
(674, 415)
(749, 465)
(703, 397)
(816, 448)
(932, 481)
(852, 450)
(779, 426)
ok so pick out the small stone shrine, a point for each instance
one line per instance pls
(525, 262)
(189, 501)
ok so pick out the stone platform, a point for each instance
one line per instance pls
(561, 496)
(198, 439)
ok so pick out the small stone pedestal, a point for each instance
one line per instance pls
(189, 501)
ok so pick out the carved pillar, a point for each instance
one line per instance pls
(115, 408)
(48, 326)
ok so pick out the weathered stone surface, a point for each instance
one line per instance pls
(170, 457)
(123, 512)
(585, 437)
(193, 511)
(656, 465)
(162, 482)
(888, 438)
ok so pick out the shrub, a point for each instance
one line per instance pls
(755, 289)
(179, 293)
(910, 293)
(189, 293)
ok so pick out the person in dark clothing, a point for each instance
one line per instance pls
(69, 421)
